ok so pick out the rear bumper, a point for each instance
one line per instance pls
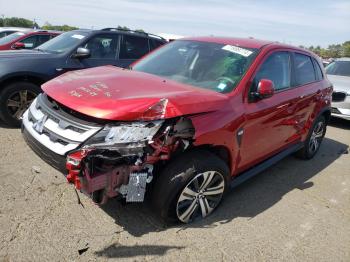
(53, 159)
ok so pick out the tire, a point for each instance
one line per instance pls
(314, 139)
(15, 98)
(190, 187)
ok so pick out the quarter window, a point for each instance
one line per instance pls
(133, 47)
(154, 43)
(275, 68)
(319, 75)
(304, 70)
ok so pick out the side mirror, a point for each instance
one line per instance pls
(82, 53)
(18, 45)
(265, 89)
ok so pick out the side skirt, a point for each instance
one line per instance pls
(237, 180)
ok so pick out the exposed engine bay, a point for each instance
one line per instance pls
(117, 158)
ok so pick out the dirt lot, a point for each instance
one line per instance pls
(295, 211)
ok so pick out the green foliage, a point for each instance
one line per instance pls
(22, 22)
(48, 26)
(16, 21)
(332, 51)
(123, 28)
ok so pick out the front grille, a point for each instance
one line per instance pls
(53, 159)
(338, 96)
(56, 129)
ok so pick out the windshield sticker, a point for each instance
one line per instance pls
(221, 86)
(237, 50)
(78, 36)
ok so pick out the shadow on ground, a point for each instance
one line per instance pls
(248, 200)
(5, 126)
(113, 251)
(340, 123)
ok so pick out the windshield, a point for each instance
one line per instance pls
(63, 42)
(341, 68)
(8, 39)
(206, 65)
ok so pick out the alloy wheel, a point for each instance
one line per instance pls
(200, 196)
(19, 102)
(316, 137)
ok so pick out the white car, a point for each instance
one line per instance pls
(338, 72)
(5, 31)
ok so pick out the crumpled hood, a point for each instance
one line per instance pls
(112, 93)
(340, 83)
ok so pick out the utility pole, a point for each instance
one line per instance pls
(3, 20)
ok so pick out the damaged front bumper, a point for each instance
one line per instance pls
(102, 160)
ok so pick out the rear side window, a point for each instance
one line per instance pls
(275, 68)
(42, 39)
(133, 47)
(304, 70)
(318, 71)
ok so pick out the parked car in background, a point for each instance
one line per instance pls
(22, 72)
(338, 72)
(27, 39)
(5, 31)
(189, 120)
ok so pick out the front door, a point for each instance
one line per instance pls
(103, 49)
(269, 122)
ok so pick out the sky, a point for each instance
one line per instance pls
(297, 22)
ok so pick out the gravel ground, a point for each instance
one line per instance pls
(295, 211)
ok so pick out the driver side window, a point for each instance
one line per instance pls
(277, 68)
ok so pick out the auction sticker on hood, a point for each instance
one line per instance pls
(237, 50)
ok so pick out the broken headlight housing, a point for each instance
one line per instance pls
(124, 133)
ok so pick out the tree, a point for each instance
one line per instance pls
(346, 49)
(48, 26)
(17, 22)
(123, 28)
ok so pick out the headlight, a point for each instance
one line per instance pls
(135, 132)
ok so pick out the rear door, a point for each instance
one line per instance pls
(103, 49)
(132, 48)
(308, 75)
(269, 122)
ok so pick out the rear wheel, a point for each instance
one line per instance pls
(190, 187)
(14, 101)
(314, 139)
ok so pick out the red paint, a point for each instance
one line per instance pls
(114, 99)
(9, 46)
(269, 124)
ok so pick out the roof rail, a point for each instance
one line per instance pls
(132, 31)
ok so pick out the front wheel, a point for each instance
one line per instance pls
(314, 139)
(191, 187)
(14, 101)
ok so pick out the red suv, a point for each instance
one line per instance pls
(187, 122)
(26, 40)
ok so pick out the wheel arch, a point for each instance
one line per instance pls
(22, 77)
(220, 151)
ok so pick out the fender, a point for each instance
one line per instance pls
(24, 75)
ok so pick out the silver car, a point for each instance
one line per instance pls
(338, 72)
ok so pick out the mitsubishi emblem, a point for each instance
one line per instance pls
(39, 125)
